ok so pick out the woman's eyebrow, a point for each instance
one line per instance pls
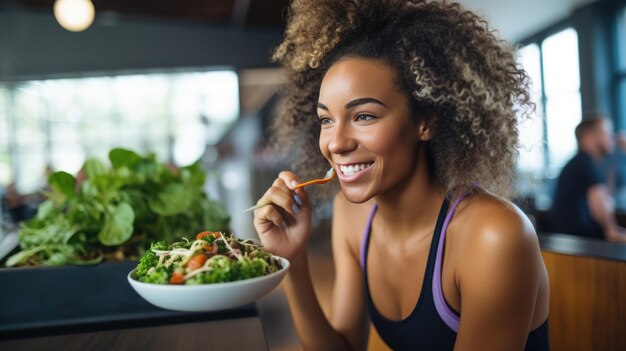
(362, 101)
(322, 106)
(355, 102)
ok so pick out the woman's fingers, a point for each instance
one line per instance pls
(285, 203)
(271, 214)
(284, 225)
(282, 197)
(291, 180)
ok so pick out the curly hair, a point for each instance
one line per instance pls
(446, 59)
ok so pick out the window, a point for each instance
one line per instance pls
(30, 138)
(202, 108)
(531, 159)
(553, 67)
(561, 76)
(61, 122)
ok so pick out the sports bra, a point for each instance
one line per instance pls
(433, 324)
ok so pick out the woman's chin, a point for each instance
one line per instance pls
(356, 196)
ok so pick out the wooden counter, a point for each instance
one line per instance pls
(587, 293)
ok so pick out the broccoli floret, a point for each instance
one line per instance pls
(159, 245)
(216, 276)
(148, 260)
(226, 270)
(220, 272)
(248, 268)
(221, 247)
(209, 238)
(185, 244)
(159, 275)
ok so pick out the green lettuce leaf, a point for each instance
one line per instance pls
(118, 227)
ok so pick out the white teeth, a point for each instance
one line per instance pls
(351, 169)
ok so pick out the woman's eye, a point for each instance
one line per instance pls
(324, 120)
(365, 117)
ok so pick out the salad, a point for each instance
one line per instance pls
(213, 257)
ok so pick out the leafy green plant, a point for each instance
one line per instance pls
(115, 213)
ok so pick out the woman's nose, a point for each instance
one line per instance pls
(342, 140)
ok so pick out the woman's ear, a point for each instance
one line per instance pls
(424, 130)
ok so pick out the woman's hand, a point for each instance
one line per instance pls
(284, 226)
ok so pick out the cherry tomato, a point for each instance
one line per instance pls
(207, 233)
(203, 234)
(177, 278)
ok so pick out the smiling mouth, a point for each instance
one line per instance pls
(354, 168)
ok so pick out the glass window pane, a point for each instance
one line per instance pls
(564, 114)
(531, 158)
(68, 158)
(560, 63)
(204, 106)
(31, 170)
(562, 93)
(129, 111)
(29, 111)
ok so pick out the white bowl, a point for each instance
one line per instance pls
(208, 297)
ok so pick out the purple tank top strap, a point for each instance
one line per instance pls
(447, 315)
(366, 235)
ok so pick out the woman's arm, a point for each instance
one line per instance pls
(498, 279)
(602, 208)
(348, 327)
(284, 229)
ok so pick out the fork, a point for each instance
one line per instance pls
(330, 175)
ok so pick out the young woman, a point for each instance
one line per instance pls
(412, 103)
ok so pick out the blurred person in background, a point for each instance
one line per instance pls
(412, 104)
(613, 168)
(582, 202)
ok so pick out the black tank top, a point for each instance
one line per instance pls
(433, 324)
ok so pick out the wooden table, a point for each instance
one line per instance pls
(94, 308)
(230, 334)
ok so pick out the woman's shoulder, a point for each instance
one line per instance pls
(484, 221)
(496, 257)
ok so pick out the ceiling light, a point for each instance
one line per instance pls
(74, 15)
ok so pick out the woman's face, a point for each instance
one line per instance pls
(367, 133)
